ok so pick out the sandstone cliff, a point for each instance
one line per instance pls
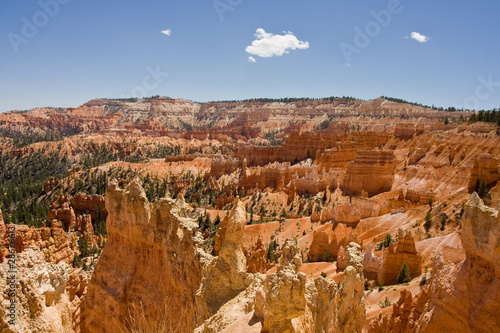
(47, 295)
(371, 171)
(225, 276)
(392, 260)
(473, 304)
(151, 257)
(54, 243)
(461, 297)
(215, 293)
(287, 301)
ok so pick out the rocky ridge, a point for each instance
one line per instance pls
(461, 297)
(212, 292)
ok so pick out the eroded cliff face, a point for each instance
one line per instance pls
(36, 277)
(153, 255)
(282, 295)
(463, 297)
(151, 258)
(54, 243)
(473, 305)
(286, 301)
(392, 259)
(371, 172)
(225, 275)
(47, 294)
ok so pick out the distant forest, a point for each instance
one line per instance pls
(284, 99)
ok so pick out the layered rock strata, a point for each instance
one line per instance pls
(393, 259)
(371, 172)
(462, 297)
(215, 293)
(150, 259)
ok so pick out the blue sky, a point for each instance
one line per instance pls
(90, 49)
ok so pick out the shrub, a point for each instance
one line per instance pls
(423, 281)
(77, 261)
(271, 254)
(404, 274)
(386, 303)
(323, 274)
(152, 319)
(424, 278)
(443, 223)
(387, 241)
(83, 247)
(483, 189)
(428, 221)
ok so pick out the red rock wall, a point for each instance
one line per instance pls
(392, 261)
(371, 172)
(150, 260)
(486, 168)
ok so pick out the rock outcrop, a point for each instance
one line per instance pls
(256, 257)
(392, 260)
(371, 263)
(486, 169)
(90, 204)
(460, 298)
(371, 172)
(222, 165)
(225, 276)
(215, 293)
(473, 304)
(61, 210)
(405, 314)
(84, 226)
(151, 257)
(54, 243)
(282, 296)
(404, 131)
(325, 247)
(422, 198)
(287, 301)
(50, 184)
(46, 298)
(322, 248)
(351, 306)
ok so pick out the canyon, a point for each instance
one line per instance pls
(326, 215)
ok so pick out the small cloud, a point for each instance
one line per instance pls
(267, 45)
(347, 64)
(167, 32)
(251, 59)
(419, 37)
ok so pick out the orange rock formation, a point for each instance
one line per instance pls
(462, 297)
(392, 260)
(143, 236)
(256, 257)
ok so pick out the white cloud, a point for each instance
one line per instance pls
(167, 32)
(251, 59)
(347, 64)
(268, 45)
(419, 37)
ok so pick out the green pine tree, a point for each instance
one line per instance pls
(404, 274)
